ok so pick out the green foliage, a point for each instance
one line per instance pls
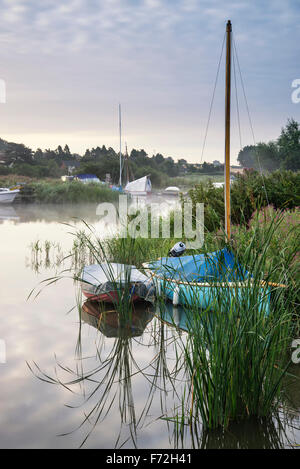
(289, 146)
(74, 192)
(237, 359)
(283, 246)
(249, 192)
(284, 153)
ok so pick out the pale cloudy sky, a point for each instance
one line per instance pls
(67, 65)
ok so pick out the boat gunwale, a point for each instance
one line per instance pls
(263, 283)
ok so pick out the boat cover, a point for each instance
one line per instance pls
(108, 277)
(218, 266)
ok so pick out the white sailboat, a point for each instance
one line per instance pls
(141, 186)
(137, 187)
(7, 196)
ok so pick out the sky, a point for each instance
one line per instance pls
(68, 64)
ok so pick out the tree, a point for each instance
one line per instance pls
(59, 151)
(246, 157)
(267, 156)
(158, 159)
(67, 151)
(17, 152)
(38, 155)
(289, 145)
(87, 154)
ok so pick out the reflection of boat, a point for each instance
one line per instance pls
(113, 324)
(7, 196)
(141, 186)
(173, 315)
(8, 213)
(111, 282)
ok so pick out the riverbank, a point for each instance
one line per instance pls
(54, 191)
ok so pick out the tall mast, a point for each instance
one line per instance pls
(227, 131)
(120, 132)
(127, 163)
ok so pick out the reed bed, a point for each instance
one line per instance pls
(64, 192)
(233, 362)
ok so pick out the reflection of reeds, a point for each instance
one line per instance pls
(111, 380)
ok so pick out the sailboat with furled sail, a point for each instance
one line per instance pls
(137, 187)
(203, 278)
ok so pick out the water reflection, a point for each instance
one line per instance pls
(8, 213)
(138, 353)
(123, 367)
(248, 434)
(125, 378)
(175, 316)
(63, 213)
(107, 320)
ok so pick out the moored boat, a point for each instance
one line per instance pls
(207, 281)
(139, 187)
(172, 190)
(7, 196)
(113, 283)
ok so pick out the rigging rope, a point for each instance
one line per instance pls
(250, 120)
(212, 99)
(236, 98)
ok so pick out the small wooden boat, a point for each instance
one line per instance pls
(112, 283)
(208, 281)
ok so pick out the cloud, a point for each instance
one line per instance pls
(79, 58)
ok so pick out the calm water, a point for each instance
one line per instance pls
(129, 386)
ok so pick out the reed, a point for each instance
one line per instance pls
(237, 355)
(63, 192)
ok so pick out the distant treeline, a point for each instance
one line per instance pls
(15, 158)
(19, 159)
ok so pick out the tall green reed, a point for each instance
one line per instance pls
(237, 351)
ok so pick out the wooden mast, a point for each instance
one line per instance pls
(120, 134)
(227, 131)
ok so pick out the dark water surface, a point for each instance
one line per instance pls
(130, 368)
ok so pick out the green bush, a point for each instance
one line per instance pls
(249, 192)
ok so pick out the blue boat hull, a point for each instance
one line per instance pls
(215, 298)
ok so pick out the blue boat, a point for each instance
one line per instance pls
(213, 281)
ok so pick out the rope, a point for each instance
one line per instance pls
(250, 120)
(212, 99)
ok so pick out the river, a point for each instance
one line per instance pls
(129, 387)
